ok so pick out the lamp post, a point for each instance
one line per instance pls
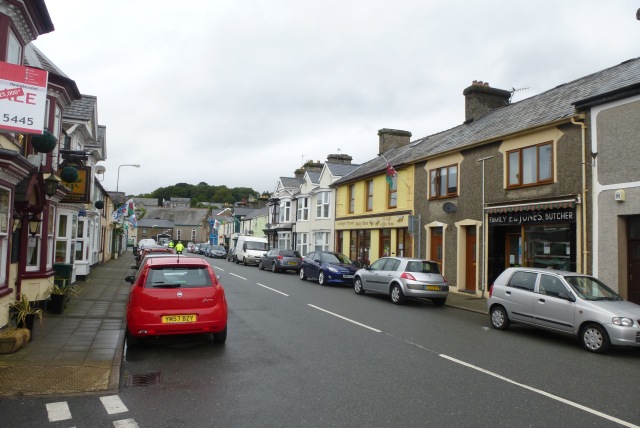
(135, 165)
(484, 264)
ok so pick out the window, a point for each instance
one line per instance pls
(50, 236)
(523, 280)
(14, 49)
(352, 198)
(284, 240)
(369, 206)
(34, 244)
(322, 205)
(443, 181)
(303, 209)
(193, 235)
(551, 286)
(393, 193)
(179, 235)
(530, 165)
(285, 211)
(302, 243)
(321, 241)
(4, 235)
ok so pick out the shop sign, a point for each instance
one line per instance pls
(374, 222)
(559, 215)
(80, 188)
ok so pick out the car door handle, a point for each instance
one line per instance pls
(508, 293)
(541, 300)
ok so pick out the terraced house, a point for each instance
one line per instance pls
(511, 186)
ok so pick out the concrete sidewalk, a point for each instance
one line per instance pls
(79, 351)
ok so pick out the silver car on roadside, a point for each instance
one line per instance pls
(402, 277)
(566, 302)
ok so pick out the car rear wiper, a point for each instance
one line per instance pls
(165, 285)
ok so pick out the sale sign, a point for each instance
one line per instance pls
(23, 98)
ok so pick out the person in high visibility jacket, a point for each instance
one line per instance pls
(179, 247)
(171, 244)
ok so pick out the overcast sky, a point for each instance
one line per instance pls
(242, 92)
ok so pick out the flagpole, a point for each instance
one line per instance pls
(397, 175)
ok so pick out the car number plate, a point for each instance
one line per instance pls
(293, 263)
(432, 287)
(347, 276)
(174, 319)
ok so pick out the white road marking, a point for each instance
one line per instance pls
(125, 423)
(269, 288)
(541, 392)
(231, 273)
(346, 319)
(113, 404)
(58, 411)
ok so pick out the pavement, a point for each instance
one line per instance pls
(80, 351)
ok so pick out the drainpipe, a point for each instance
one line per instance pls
(585, 250)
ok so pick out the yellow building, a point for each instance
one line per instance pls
(373, 210)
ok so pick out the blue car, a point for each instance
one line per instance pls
(328, 267)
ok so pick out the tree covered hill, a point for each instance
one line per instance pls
(202, 192)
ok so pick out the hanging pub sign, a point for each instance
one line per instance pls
(556, 215)
(23, 98)
(80, 187)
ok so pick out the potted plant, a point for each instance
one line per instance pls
(12, 339)
(59, 294)
(24, 314)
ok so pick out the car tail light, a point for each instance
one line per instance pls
(407, 275)
(280, 257)
(490, 290)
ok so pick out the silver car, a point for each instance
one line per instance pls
(402, 277)
(566, 302)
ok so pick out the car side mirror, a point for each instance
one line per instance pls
(130, 279)
(566, 296)
(218, 277)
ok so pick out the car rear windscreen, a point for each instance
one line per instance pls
(178, 277)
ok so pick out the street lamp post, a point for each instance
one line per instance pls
(484, 253)
(135, 165)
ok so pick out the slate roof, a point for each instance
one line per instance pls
(548, 107)
(314, 176)
(180, 216)
(33, 57)
(146, 202)
(151, 222)
(239, 211)
(256, 213)
(289, 182)
(82, 109)
(341, 169)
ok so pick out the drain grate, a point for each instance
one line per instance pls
(146, 379)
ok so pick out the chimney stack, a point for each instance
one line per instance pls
(480, 98)
(339, 158)
(392, 138)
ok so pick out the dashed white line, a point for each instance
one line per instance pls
(238, 276)
(113, 404)
(58, 411)
(125, 423)
(272, 289)
(541, 392)
(344, 318)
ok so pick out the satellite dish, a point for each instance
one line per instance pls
(449, 207)
(268, 225)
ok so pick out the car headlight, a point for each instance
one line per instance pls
(622, 321)
(332, 269)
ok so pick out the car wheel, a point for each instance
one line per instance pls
(499, 318)
(274, 268)
(220, 337)
(397, 296)
(236, 260)
(594, 338)
(357, 286)
(439, 302)
(132, 340)
(321, 278)
(303, 275)
(260, 265)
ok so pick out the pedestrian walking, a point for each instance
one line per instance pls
(179, 247)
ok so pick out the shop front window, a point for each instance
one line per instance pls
(549, 246)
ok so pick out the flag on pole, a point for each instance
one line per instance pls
(391, 173)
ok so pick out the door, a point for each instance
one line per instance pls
(371, 278)
(514, 250)
(633, 292)
(551, 310)
(471, 259)
(436, 251)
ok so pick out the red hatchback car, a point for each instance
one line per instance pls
(175, 295)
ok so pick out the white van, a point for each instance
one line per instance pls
(249, 250)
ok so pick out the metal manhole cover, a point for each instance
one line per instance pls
(146, 379)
